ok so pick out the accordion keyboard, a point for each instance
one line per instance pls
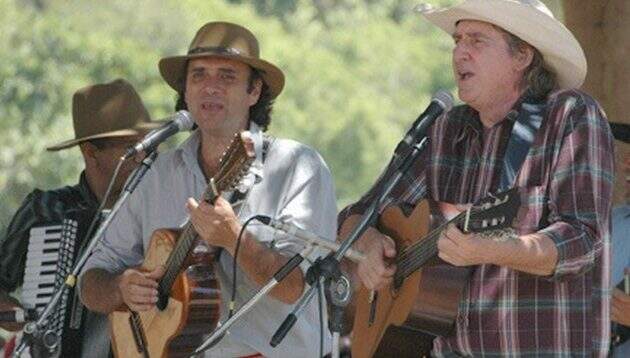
(49, 250)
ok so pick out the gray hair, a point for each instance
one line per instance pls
(537, 77)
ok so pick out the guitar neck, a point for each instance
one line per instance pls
(184, 243)
(417, 254)
(234, 164)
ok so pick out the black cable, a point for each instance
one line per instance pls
(238, 245)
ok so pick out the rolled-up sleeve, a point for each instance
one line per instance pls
(308, 202)
(580, 190)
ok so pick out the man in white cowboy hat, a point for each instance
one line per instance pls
(227, 88)
(107, 119)
(545, 290)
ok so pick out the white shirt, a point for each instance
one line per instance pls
(296, 187)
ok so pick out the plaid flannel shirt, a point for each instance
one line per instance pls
(566, 186)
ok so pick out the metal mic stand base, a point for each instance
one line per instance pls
(40, 344)
(283, 272)
(330, 268)
(338, 294)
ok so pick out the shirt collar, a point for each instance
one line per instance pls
(189, 149)
(527, 101)
(86, 193)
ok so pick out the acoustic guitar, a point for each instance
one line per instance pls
(188, 293)
(401, 320)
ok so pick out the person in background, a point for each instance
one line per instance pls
(620, 306)
(107, 119)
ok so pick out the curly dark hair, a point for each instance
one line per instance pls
(259, 113)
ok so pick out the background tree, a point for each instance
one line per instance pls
(603, 29)
(357, 75)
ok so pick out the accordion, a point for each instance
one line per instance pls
(52, 252)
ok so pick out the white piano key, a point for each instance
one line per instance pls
(45, 230)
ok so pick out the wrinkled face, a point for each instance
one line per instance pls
(107, 154)
(218, 96)
(483, 66)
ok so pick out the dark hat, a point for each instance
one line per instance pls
(111, 109)
(621, 131)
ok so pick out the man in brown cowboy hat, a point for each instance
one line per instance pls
(227, 88)
(107, 118)
(543, 288)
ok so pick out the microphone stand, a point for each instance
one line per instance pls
(327, 270)
(283, 272)
(33, 330)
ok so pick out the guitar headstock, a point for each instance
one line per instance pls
(496, 211)
(234, 164)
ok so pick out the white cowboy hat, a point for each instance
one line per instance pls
(530, 20)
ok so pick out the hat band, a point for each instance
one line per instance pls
(215, 49)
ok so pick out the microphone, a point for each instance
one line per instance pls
(18, 315)
(309, 237)
(440, 102)
(182, 120)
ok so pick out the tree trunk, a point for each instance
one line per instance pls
(603, 29)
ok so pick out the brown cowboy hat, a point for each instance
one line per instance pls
(105, 110)
(225, 40)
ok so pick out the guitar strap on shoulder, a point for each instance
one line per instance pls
(527, 121)
(239, 195)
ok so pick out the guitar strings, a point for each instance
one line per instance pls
(416, 255)
(189, 234)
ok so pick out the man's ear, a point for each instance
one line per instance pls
(88, 150)
(254, 94)
(524, 58)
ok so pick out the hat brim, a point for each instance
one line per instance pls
(561, 51)
(140, 129)
(173, 69)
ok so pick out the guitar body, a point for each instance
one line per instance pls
(403, 320)
(192, 310)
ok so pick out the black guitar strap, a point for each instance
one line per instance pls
(527, 120)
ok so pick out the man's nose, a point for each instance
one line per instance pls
(212, 85)
(460, 52)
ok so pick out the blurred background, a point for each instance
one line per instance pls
(358, 73)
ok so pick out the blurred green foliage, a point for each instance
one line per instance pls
(358, 73)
